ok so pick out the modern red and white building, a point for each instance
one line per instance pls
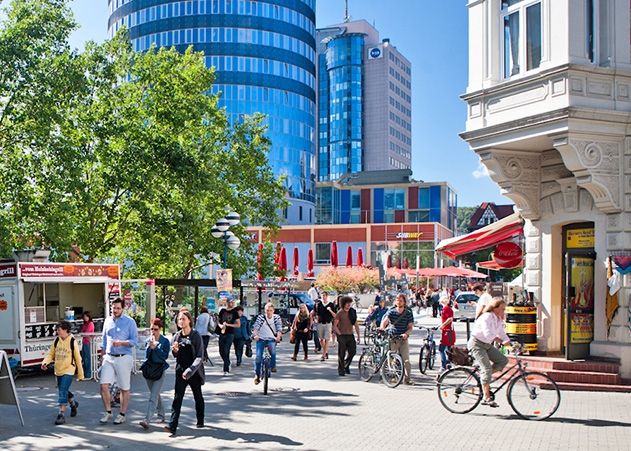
(404, 241)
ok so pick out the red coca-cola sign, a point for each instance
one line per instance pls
(508, 255)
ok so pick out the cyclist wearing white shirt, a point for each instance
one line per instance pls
(267, 331)
(488, 329)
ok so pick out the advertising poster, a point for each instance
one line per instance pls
(581, 327)
(582, 276)
(224, 280)
(580, 238)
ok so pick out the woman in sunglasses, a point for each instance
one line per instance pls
(157, 351)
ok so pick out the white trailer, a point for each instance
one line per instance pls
(35, 296)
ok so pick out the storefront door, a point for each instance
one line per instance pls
(578, 287)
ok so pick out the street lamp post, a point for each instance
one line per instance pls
(221, 229)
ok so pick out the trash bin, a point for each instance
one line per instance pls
(521, 326)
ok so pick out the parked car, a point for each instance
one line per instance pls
(288, 304)
(467, 303)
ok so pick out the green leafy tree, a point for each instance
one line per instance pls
(124, 154)
(38, 80)
(464, 215)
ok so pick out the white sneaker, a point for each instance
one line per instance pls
(225, 373)
(119, 419)
(106, 418)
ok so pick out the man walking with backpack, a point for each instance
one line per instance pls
(343, 325)
(65, 353)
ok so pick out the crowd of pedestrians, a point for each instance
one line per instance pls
(326, 320)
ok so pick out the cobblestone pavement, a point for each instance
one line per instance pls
(310, 407)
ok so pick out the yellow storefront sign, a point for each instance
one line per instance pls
(580, 238)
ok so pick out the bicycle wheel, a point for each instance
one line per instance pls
(366, 366)
(530, 400)
(266, 371)
(366, 333)
(392, 370)
(432, 355)
(423, 359)
(459, 390)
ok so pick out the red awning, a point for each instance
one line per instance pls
(449, 271)
(487, 236)
(492, 264)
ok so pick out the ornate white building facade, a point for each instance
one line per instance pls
(549, 114)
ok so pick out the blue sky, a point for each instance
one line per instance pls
(433, 36)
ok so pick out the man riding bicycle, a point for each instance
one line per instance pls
(400, 322)
(267, 331)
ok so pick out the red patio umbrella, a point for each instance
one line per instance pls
(349, 257)
(283, 263)
(296, 262)
(400, 263)
(310, 272)
(406, 263)
(389, 261)
(259, 262)
(360, 257)
(334, 254)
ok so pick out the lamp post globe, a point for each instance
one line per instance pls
(215, 232)
(222, 224)
(233, 242)
(233, 218)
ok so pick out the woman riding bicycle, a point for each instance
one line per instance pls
(267, 331)
(488, 329)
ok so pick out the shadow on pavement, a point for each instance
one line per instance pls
(581, 421)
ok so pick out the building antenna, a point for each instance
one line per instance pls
(347, 18)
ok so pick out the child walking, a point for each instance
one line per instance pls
(66, 354)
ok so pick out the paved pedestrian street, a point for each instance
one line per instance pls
(310, 407)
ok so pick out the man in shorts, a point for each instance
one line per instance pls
(326, 312)
(120, 335)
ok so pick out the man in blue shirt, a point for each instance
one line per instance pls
(400, 322)
(120, 335)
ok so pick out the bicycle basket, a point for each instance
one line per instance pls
(460, 356)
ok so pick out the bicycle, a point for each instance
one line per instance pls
(427, 355)
(379, 358)
(532, 395)
(266, 366)
(370, 329)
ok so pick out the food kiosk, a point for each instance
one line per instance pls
(35, 296)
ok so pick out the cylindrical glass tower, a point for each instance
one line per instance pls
(340, 90)
(264, 54)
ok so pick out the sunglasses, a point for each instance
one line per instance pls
(155, 328)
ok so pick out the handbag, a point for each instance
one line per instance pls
(448, 337)
(248, 348)
(152, 370)
(292, 336)
(459, 356)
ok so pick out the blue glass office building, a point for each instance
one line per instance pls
(340, 107)
(264, 54)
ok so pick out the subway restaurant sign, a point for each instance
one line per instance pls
(579, 238)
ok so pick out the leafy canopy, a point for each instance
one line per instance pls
(125, 155)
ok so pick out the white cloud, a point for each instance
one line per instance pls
(481, 171)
